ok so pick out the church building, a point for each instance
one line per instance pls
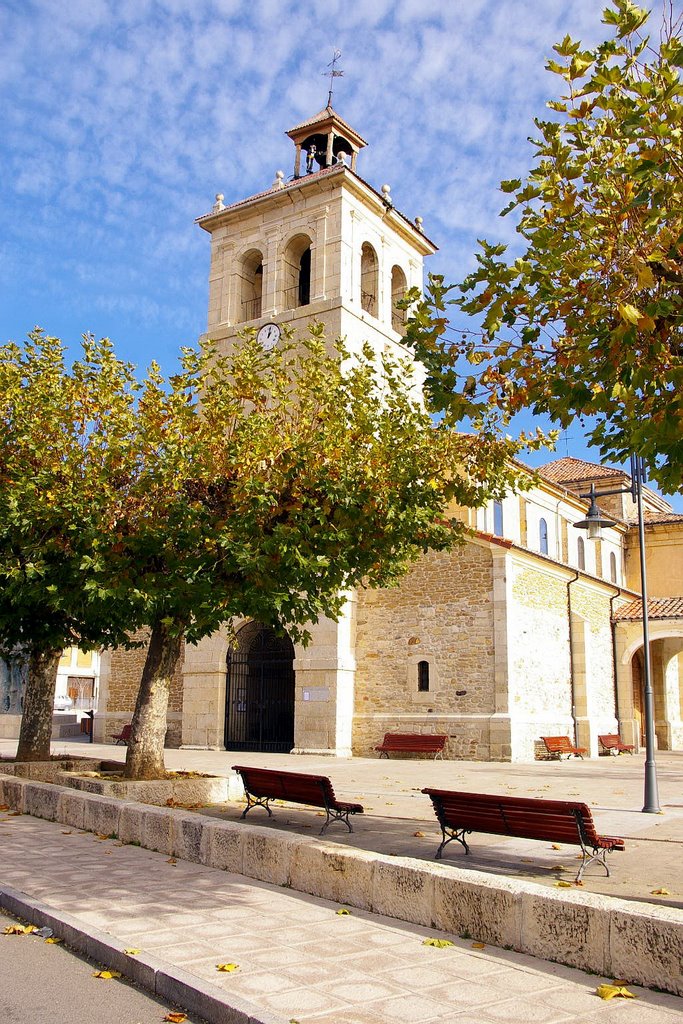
(527, 629)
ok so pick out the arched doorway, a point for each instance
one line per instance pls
(259, 707)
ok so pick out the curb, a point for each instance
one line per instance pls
(157, 976)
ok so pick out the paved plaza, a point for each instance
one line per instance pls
(300, 960)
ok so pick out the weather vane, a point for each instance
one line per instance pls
(332, 74)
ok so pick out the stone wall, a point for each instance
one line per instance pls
(120, 675)
(442, 614)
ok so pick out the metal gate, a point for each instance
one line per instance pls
(259, 707)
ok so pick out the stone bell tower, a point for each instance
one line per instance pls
(324, 245)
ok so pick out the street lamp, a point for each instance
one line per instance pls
(595, 522)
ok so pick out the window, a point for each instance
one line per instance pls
(613, 567)
(423, 677)
(297, 272)
(369, 277)
(498, 518)
(543, 537)
(399, 287)
(581, 548)
(251, 290)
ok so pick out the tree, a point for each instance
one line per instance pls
(270, 484)
(58, 458)
(263, 485)
(588, 320)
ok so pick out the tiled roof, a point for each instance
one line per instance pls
(569, 470)
(275, 190)
(323, 115)
(657, 608)
(656, 518)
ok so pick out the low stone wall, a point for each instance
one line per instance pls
(194, 790)
(638, 942)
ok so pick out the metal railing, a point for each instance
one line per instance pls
(251, 309)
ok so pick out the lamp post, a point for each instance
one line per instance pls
(595, 523)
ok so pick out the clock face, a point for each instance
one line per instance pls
(268, 335)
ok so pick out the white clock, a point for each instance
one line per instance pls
(268, 335)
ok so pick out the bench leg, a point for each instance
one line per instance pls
(334, 815)
(453, 833)
(588, 857)
(382, 754)
(258, 801)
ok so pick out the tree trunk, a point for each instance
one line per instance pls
(145, 757)
(36, 720)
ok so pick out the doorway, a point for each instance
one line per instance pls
(259, 709)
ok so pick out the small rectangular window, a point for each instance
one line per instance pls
(498, 518)
(423, 677)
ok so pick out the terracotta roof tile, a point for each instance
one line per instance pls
(569, 470)
(655, 518)
(657, 608)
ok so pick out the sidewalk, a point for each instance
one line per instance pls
(395, 810)
(298, 959)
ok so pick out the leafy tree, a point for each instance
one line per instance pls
(263, 484)
(58, 456)
(588, 320)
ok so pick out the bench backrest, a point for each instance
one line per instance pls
(611, 741)
(315, 790)
(125, 732)
(558, 744)
(411, 741)
(559, 821)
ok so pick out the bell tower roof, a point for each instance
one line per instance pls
(326, 120)
(325, 140)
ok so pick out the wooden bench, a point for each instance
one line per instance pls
(556, 746)
(412, 743)
(123, 736)
(261, 785)
(613, 745)
(557, 821)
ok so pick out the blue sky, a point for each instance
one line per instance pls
(123, 118)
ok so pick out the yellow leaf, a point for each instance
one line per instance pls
(176, 1017)
(646, 279)
(20, 929)
(661, 892)
(419, 835)
(559, 867)
(171, 860)
(439, 943)
(610, 991)
(646, 323)
(53, 940)
(563, 885)
(132, 952)
(629, 313)
(227, 967)
(106, 975)
(556, 846)
(478, 945)
(343, 912)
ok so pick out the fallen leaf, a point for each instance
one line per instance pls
(101, 835)
(343, 912)
(20, 929)
(478, 945)
(610, 991)
(106, 975)
(15, 814)
(132, 952)
(563, 885)
(176, 1017)
(559, 867)
(4, 807)
(53, 940)
(67, 833)
(660, 892)
(171, 860)
(439, 943)
(419, 835)
(555, 846)
(227, 967)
